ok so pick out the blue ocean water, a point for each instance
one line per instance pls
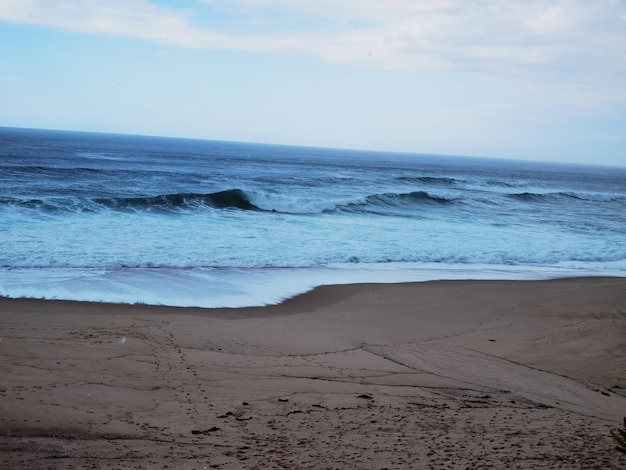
(203, 223)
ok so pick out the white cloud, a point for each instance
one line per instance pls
(133, 18)
(537, 36)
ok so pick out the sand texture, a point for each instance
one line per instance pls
(435, 375)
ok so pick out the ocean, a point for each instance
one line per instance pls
(182, 222)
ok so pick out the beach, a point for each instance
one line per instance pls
(440, 374)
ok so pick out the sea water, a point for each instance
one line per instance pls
(155, 220)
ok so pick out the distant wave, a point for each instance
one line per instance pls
(505, 184)
(530, 197)
(381, 202)
(599, 197)
(47, 170)
(556, 196)
(435, 180)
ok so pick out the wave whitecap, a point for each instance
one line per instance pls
(237, 199)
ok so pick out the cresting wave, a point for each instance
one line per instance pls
(233, 198)
(278, 203)
(228, 199)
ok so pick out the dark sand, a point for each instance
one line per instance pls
(441, 375)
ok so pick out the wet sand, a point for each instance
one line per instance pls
(441, 375)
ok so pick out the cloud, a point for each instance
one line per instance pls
(585, 37)
(133, 18)
(139, 19)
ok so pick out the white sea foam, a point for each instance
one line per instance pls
(230, 288)
(289, 204)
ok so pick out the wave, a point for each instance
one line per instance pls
(405, 199)
(384, 203)
(530, 197)
(231, 198)
(434, 180)
(505, 184)
(228, 199)
(580, 256)
(392, 203)
(561, 195)
(377, 202)
(596, 197)
(52, 171)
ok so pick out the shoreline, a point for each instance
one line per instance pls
(524, 374)
(248, 287)
(307, 294)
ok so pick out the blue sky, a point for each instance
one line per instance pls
(530, 79)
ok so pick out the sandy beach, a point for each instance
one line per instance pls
(433, 375)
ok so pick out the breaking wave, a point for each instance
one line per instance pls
(230, 199)
(392, 203)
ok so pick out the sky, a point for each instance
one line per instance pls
(525, 79)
